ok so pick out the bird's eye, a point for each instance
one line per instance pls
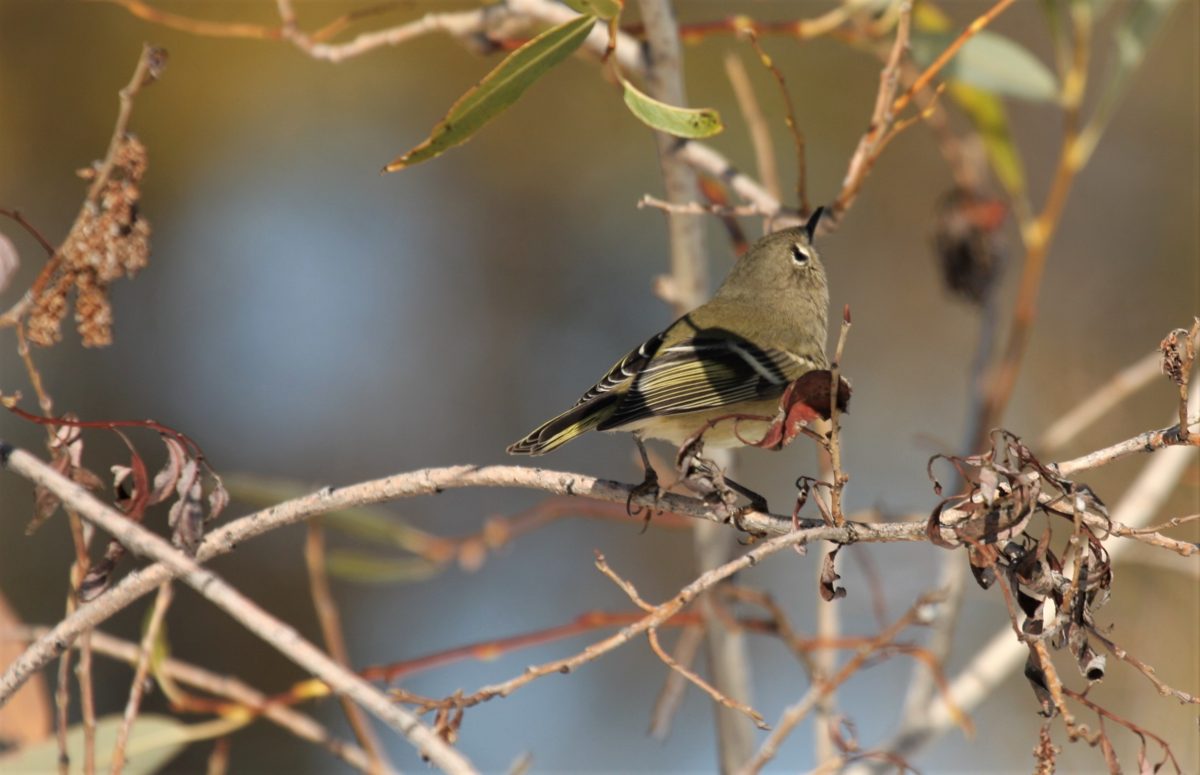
(800, 255)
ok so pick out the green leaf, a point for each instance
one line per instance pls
(499, 89)
(153, 742)
(681, 122)
(351, 565)
(605, 9)
(987, 113)
(1141, 23)
(991, 62)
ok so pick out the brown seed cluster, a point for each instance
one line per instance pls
(109, 240)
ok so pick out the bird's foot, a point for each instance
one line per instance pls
(648, 486)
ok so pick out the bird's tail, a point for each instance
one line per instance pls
(552, 434)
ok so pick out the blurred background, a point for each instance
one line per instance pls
(305, 317)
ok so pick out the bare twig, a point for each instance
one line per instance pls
(656, 618)
(709, 161)
(149, 66)
(1148, 441)
(161, 603)
(698, 208)
(792, 123)
(331, 621)
(666, 705)
(281, 636)
(796, 713)
(943, 59)
(756, 123)
(652, 635)
(881, 116)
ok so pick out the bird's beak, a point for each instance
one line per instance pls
(810, 228)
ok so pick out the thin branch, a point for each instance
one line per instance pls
(792, 124)
(158, 614)
(716, 695)
(1149, 441)
(707, 160)
(149, 67)
(698, 208)
(283, 637)
(756, 123)
(796, 713)
(329, 618)
(669, 699)
(943, 59)
(881, 116)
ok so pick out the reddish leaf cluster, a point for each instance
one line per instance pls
(134, 491)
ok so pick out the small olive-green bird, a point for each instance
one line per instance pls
(764, 328)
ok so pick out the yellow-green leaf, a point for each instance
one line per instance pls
(499, 89)
(987, 113)
(991, 62)
(681, 122)
(154, 741)
(351, 565)
(605, 9)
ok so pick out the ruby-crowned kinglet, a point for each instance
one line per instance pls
(764, 328)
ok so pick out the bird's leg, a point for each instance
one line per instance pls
(648, 486)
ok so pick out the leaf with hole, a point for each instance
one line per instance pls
(499, 89)
(681, 122)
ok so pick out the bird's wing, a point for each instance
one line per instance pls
(714, 368)
(625, 369)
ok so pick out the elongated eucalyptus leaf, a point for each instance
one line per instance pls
(605, 9)
(681, 122)
(351, 565)
(984, 109)
(499, 89)
(1133, 35)
(991, 62)
(987, 113)
(154, 741)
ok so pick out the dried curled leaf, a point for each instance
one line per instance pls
(1177, 355)
(1057, 593)
(829, 577)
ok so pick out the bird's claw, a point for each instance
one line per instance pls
(648, 486)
